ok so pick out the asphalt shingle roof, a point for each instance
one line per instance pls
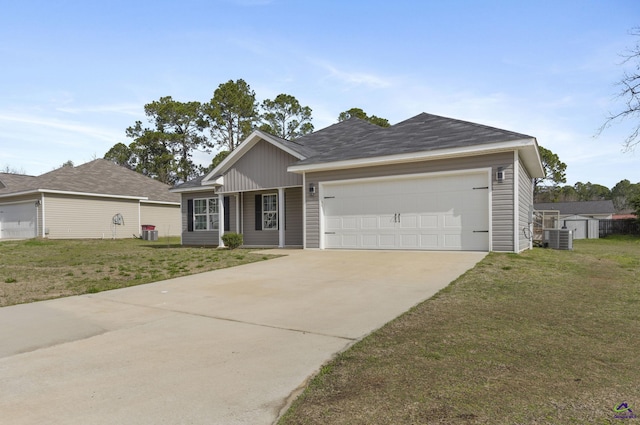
(98, 177)
(355, 138)
(582, 207)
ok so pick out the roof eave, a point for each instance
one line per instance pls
(524, 145)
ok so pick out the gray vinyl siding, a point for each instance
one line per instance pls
(232, 214)
(251, 236)
(525, 201)
(166, 218)
(293, 214)
(199, 237)
(264, 166)
(293, 220)
(83, 217)
(502, 193)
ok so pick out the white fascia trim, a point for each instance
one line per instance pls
(261, 189)
(26, 192)
(416, 156)
(159, 202)
(24, 201)
(95, 195)
(245, 146)
(217, 182)
(192, 189)
(66, 192)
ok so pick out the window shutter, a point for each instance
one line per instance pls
(190, 215)
(227, 215)
(258, 212)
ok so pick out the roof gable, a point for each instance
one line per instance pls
(293, 148)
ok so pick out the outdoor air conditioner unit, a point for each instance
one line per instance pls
(558, 238)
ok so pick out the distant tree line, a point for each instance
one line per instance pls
(624, 194)
(163, 149)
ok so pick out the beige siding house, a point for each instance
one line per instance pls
(427, 183)
(95, 200)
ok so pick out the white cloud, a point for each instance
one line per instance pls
(355, 78)
(132, 109)
(53, 123)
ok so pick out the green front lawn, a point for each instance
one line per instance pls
(40, 269)
(544, 337)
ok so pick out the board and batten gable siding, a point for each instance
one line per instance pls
(264, 166)
(84, 217)
(525, 204)
(502, 193)
(165, 217)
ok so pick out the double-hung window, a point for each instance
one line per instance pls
(270, 211)
(205, 214)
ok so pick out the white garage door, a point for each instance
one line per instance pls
(18, 221)
(446, 212)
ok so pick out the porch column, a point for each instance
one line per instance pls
(238, 212)
(220, 220)
(280, 217)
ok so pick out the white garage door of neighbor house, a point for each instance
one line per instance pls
(445, 212)
(18, 221)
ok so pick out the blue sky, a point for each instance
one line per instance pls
(76, 74)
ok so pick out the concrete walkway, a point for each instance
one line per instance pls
(223, 347)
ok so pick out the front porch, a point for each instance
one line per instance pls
(266, 218)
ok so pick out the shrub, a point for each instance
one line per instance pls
(232, 240)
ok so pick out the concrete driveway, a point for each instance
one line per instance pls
(225, 347)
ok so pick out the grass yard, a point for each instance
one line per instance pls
(545, 337)
(40, 269)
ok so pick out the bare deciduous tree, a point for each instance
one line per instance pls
(630, 93)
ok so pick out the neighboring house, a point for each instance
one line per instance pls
(85, 202)
(581, 217)
(592, 209)
(427, 183)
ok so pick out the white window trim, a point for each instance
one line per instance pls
(208, 202)
(275, 194)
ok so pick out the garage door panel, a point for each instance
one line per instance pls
(409, 221)
(369, 223)
(409, 241)
(387, 241)
(429, 241)
(452, 241)
(450, 220)
(369, 241)
(333, 223)
(428, 221)
(415, 213)
(387, 221)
